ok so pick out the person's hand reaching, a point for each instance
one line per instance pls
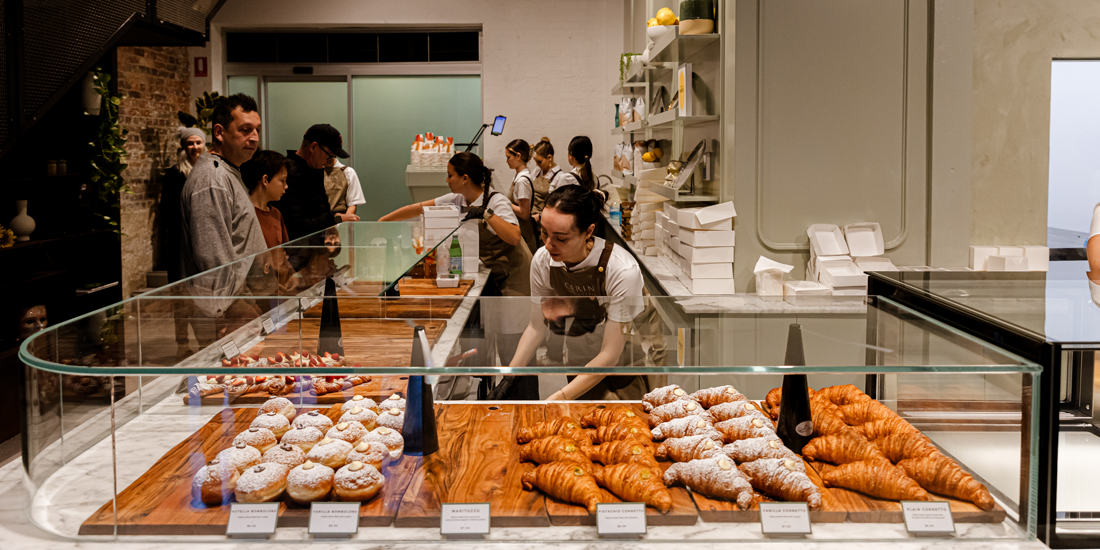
(342, 217)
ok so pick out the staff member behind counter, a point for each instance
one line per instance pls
(567, 276)
(500, 246)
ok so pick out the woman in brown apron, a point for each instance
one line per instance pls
(501, 249)
(592, 294)
(523, 192)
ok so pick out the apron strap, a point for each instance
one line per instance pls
(605, 256)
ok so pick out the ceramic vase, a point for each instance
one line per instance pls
(91, 99)
(22, 224)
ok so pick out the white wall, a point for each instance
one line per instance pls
(548, 65)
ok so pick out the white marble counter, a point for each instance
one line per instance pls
(84, 483)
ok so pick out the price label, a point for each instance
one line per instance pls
(252, 519)
(269, 326)
(785, 518)
(230, 349)
(927, 516)
(334, 518)
(303, 303)
(340, 280)
(627, 518)
(465, 519)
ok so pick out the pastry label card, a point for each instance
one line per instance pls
(465, 519)
(785, 518)
(927, 516)
(252, 519)
(627, 518)
(269, 326)
(230, 349)
(333, 518)
(303, 303)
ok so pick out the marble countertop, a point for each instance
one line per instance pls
(82, 482)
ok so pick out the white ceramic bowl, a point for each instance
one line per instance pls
(657, 31)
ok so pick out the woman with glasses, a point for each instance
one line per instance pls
(590, 291)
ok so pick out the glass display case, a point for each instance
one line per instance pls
(1053, 319)
(545, 409)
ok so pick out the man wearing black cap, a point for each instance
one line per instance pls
(305, 206)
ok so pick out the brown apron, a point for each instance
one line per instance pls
(529, 227)
(509, 265)
(540, 189)
(336, 187)
(584, 337)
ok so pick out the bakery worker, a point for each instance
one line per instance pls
(500, 245)
(547, 173)
(580, 157)
(522, 193)
(589, 290)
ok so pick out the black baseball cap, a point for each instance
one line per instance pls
(326, 135)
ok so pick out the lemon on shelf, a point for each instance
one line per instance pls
(652, 22)
(657, 153)
(665, 17)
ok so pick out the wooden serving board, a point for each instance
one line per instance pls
(563, 513)
(477, 461)
(420, 299)
(866, 509)
(160, 501)
(722, 511)
(378, 388)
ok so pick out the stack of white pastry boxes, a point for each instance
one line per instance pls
(1009, 258)
(644, 221)
(696, 244)
(440, 222)
(838, 258)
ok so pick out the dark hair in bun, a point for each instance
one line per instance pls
(580, 148)
(584, 205)
(521, 149)
(469, 164)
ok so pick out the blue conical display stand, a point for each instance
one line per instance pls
(421, 438)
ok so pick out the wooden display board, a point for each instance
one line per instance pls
(420, 299)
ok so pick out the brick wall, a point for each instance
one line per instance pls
(156, 82)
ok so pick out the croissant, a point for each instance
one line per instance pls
(862, 412)
(621, 451)
(675, 409)
(773, 400)
(713, 477)
(879, 429)
(711, 397)
(733, 409)
(555, 448)
(843, 395)
(746, 427)
(841, 449)
(939, 474)
(608, 416)
(636, 483)
(562, 426)
(685, 426)
(826, 422)
(692, 447)
(782, 479)
(566, 481)
(621, 431)
(661, 396)
(879, 479)
(898, 447)
(755, 448)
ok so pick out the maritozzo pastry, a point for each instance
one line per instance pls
(360, 401)
(390, 438)
(366, 417)
(374, 453)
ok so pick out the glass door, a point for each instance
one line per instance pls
(292, 106)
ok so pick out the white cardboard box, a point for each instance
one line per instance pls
(440, 222)
(647, 234)
(839, 274)
(651, 250)
(864, 239)
(850, 291)
(1007, 263)
(702, 239)
(647, 207)
(716, 213)
(649, 225)
(689, 218)
(1012, 251)
(827, 240)
(445, 211)
(707, 286)
(979, 255)
(674, 243)
(706, 271)
(875, 263)
(1038, 258)
(805, 288)
(715, 255)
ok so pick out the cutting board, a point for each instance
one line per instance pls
(420, 299)
(563, 513)
(477, 461)
(160, 502)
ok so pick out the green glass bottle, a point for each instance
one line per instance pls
(456, 257)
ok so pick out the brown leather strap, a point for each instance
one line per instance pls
(606, 255)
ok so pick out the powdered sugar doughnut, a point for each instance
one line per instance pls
(370, 452)
(313, 418)
(393, 419)
(362, 402)
(285, 454)
(303, 438)
(260, 438)
(357, 482)
(330, 452)
(366, 417)
(277, 423)
(240, 456)
(309, 482)
(214, 483)
(390, 438)
(347, 430)
(395, 401)
(280, 405)
(262, 483)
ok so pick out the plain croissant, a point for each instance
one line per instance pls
(622, 451)
(609, 416)
(939, 474)
(562, 426)
(879, 479)
(567, 481)
(555, 448)
(898, 447)
(615, 432)
(841, 449)
(636, 483)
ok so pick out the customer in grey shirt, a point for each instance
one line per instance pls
(219, 223)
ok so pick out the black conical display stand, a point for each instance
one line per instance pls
(331, 338)
(421, 438)
(795, 425)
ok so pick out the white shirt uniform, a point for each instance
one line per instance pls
(566, 179)
(498, 202)
(524, 182)
(624, 280)
(355, 191)
(554, 176)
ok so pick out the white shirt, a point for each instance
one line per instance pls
(355, 191)
(498, 202)
(572, 178)
(624, 279)
(524, 182)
